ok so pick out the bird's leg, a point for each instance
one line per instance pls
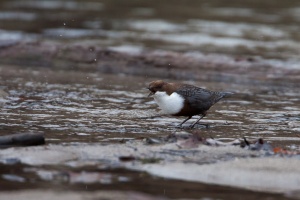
(184, 121)
(203, 115)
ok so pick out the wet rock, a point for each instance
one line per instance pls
(241, 168)
(261, 174)
(22, 139)
(38, 155)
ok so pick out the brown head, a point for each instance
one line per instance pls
(155, 86)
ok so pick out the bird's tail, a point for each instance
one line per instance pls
(226, 94)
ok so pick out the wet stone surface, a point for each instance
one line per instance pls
(77, 109)
(93, 107)
(94, 178)
(77, 70)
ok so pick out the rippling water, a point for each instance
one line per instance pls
(81, 107)
(268, 29)
(85, 107)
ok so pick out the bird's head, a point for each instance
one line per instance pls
(155, 86)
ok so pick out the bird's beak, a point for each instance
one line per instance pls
(151, 92)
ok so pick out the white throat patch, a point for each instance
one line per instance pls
(169, 104)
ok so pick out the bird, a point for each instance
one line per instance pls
(178, 99)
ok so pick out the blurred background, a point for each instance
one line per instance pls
(269, 29)
(77, 71)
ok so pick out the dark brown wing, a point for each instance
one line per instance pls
(199, 98)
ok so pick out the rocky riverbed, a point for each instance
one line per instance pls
(94, 118)
(77, 73)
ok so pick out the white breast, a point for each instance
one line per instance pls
(169, 104)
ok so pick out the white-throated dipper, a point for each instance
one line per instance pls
(184, 100)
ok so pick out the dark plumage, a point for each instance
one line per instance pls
(195, 100)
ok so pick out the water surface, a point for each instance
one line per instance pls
(94, 107)
(266, 29)
(73, 107)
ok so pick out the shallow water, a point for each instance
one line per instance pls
(266, 29)
(70, 106)
(75, 107)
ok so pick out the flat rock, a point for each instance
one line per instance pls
(227, 165)
(278, 175)
(38, 155)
